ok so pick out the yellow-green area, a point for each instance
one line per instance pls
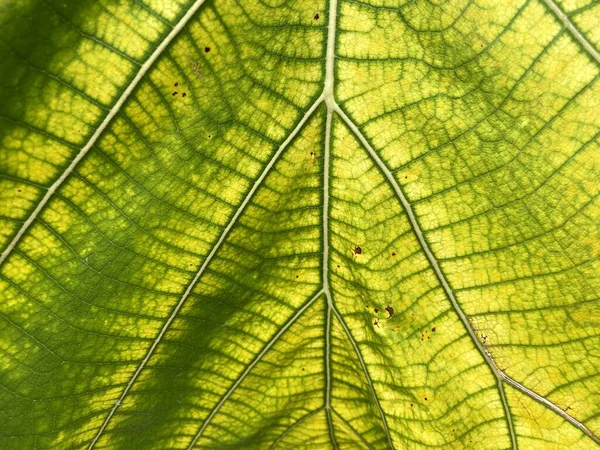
(319, 225)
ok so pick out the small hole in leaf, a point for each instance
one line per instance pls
(390, 311)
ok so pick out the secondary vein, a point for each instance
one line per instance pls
(206, 262)
(107, 120)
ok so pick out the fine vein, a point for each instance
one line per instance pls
(212, 253)
(107, 120)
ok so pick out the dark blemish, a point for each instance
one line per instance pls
(174, 93)
(316, 16)
(206, 49)
(376, 310)
(176, 84)
(209, 136)
(303, 369)
(338, 266)
(411, 405)
(393, 253)
(357, 250)
(296, 276)
(18, 190)
(184, 95)
(425, 398)
(376, 323)
(406, 177)
(390, 311)
(433, 329)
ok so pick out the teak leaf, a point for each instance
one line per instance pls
(269, 224)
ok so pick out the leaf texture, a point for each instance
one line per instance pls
(306, 225)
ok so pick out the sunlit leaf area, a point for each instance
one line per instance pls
(300, 224)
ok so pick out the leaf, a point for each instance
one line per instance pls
(297, 225)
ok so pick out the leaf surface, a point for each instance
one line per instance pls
(270, 225)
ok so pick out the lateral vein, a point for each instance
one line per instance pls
(366, 372)
(251, 366)
(206, 262)
(573, 29)
(432, 260)
(107, 120)
(499, 374)
(294, 425)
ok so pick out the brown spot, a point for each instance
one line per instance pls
(316, 16)
(433, 329)
(209, 136)
(376, 323)
(184, 94)
(425, 398)
(18, 190)
(338, 266)
(393, 253)
(176, 84)
(206, 49)
(390, 311)
(174, 93)
(357, 250)
(411, 405)
(376, 310)
(303, 369)
(296, 276)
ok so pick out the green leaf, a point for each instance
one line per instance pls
(361, 224)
